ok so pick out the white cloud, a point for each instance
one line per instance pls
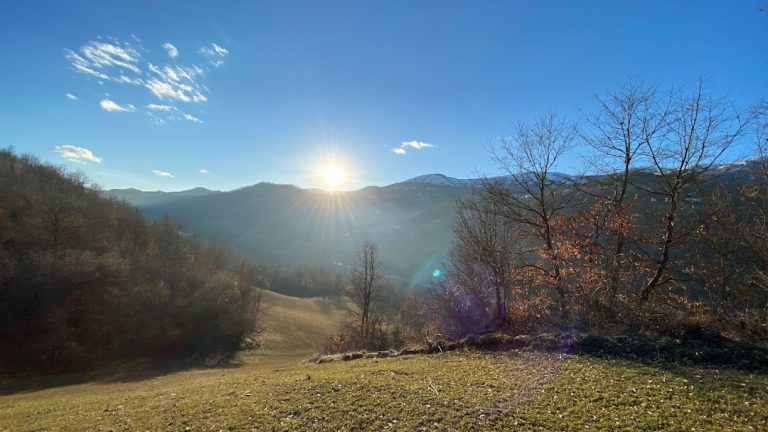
(192, 118)
(215, 53)
(110, 105)
(99, 59)
(163, 173)
(83, 66)
(112, 61)
(176, 82)
(77, 154)
(417, 145)
(172, 51)
(164, 90)
(128, 80)
(159, 107)
(104, 54)
(70, 96)
(219, 50)
(204, 171)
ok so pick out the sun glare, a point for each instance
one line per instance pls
(333, 176)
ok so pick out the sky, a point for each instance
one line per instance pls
(167, 95)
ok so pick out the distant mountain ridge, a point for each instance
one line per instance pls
(442, 180)
(142, 198)
(411, 221)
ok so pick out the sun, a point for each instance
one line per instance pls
(333, 176)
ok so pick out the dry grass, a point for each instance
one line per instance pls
(273, 389)
(451, 391)
(297, 325)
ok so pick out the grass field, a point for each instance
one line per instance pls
(272, 389)
(297, 325)
(452, 391)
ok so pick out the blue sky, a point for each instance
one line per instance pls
(274, 91)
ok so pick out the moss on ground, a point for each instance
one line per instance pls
(451, 391)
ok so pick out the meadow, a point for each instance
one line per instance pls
(276, 388)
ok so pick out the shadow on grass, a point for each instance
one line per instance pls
(703, 352)
(134, 371)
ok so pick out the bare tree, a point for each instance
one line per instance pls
(61, 215)
(536, 195)
(364, 288)
(626, 122)
(732, 258)
(700, 130)
(756, 229)
(482, 239)
(761, 138)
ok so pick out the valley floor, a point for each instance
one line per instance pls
(451, 391)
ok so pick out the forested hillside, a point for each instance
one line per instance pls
(85, 280)
(409, 221)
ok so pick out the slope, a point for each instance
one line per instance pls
(293, 325)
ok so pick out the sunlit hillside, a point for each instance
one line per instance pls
(299, 326)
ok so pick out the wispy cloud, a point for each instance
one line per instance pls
(110, 105)
(112, 61)
(172, 51)
(176, 82)
(156, 118)
(106, 60)
(416, 145)
(204, 171)
(163, 173)
(70, 96)
(192, 118)
(160, 107)
(77, 154)
(161, 114)
(215, 53)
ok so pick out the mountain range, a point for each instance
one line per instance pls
(410, 221)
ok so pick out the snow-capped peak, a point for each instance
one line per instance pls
(438, 179)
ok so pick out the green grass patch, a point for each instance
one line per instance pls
(451, 391)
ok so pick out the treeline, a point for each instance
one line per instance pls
(86, 280)
(662, 234)
(303, 281)
(654, 239)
